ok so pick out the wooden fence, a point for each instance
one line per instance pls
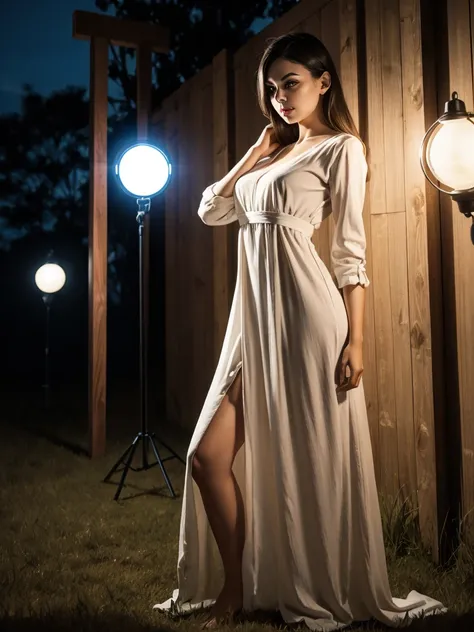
(418, 330)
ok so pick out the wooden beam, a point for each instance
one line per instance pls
(98, 247)
(131, 33)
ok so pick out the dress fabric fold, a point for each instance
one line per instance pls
(314, 546)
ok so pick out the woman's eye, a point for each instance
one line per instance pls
(288, 84)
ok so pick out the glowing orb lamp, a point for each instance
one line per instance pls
(447, 155)
(50, 278)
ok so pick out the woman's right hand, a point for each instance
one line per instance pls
(266, 143)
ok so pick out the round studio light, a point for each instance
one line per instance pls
(50, 278)
(143, 170)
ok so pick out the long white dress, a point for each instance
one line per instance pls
(314, 546)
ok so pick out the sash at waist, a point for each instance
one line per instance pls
(282, 219)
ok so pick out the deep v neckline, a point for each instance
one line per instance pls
(272, 164)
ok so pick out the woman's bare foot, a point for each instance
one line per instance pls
(227, 605)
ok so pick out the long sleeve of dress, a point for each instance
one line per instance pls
(216, 210)
(347, 178)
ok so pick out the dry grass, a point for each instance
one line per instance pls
(73, 559)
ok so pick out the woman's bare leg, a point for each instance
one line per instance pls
(221, 495)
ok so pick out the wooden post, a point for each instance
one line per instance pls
(100, 30)
(98, 246)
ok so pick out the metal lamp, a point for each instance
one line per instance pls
(447, 155)
(49, 278)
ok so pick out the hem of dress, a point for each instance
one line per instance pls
(429, 607)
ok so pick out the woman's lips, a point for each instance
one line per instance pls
(286, 110)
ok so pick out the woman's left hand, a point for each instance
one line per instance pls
(352, 357)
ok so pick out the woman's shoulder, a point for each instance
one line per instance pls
(347, 144)
(345, 139)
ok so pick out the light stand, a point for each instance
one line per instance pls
(47, 300)
(146, 438)
(49, 278)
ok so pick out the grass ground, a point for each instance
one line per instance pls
(71, 558)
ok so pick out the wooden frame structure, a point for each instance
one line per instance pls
(102, 30)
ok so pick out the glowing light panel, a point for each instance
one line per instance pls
(144, 170)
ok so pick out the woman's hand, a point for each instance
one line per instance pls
(266, 143)
(352, 358)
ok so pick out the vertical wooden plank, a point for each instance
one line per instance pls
(400, 316)
(353, 81)
(388, 445)
(349, 70)
(392, 106)
(375, 113)
(330, 32)
(418, 280)
(461, 81)
(443, 334)
(200, 242)
(208, 262)
(98, 247)
(472, 39)
(375, 199)
(198, 237)
(172, 262)
(221, 162)
(397, 254)
(184, 313)
(311, 24)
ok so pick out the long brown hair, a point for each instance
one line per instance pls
(310, 52)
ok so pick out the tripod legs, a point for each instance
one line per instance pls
(127, 458)
(144, 435)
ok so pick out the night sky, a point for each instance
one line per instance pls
(37, 47)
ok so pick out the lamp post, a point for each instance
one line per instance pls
(49, 278)
(143, 171)
(447, 155)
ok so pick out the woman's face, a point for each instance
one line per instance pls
(293, 91)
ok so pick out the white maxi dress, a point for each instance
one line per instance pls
(314, 546)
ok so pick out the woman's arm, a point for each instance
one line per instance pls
(265, 145)
(217, 206)
(354, 299)
(225, 186)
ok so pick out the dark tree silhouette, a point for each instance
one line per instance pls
(198, 31)
(44, 163)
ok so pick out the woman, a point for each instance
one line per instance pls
(292, 519)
